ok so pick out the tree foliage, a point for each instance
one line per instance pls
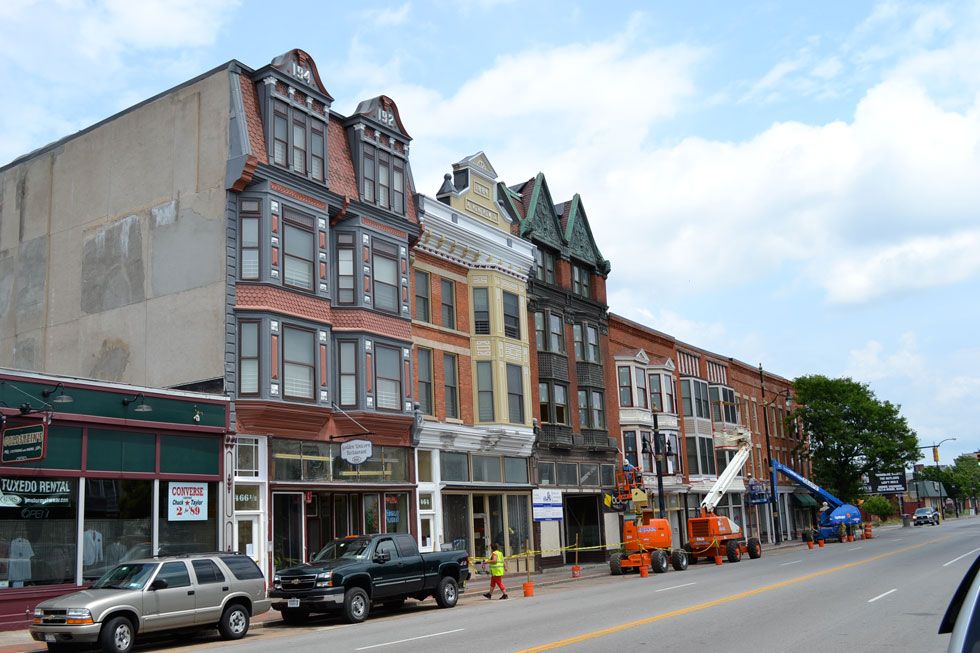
(961, 480)
(878, 506)
(852, 432)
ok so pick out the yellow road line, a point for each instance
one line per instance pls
(716, 602)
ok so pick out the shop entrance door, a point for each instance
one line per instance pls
(288, 536)
(481, 545)
(247, 539)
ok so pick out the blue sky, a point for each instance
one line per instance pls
(794, 184)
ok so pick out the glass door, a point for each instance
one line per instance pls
(288, 535)
(247, 533)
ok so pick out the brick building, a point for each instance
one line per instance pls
(714, 401)
(577, 446)
(470, 330)
(234, 234)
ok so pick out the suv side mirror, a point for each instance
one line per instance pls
(158, 584)
(382, 557)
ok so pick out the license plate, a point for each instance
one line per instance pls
(292, 603)
(49, 637)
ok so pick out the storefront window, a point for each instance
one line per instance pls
(187, 517)
(287, 529)
(495, 505)
(117, 524)
(455, 467)
(294, 460)
(316, 461)
(456, 521)
(567, 474)
(38, 531)
(396, 513)
(588, 474)
(608, 475)
(372, 521)
(515, 470)
(546, 474)
(517, 520)
(486, 469)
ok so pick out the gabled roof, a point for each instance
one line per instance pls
(578, 234)
(540, 221)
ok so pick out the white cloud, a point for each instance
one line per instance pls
(871, 363)
(389, 17)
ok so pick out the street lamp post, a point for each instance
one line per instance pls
(658, 455)
(773, 498)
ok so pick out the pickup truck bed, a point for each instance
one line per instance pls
(351, 574)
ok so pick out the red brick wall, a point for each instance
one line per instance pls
(433, 331)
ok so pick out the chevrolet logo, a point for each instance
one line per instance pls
(295, 581)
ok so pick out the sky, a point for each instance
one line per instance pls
(791, 184)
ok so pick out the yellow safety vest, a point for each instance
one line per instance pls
(497, 564)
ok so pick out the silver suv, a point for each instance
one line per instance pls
(154, 595)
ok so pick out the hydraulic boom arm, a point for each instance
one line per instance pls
(726, 478)
(833, 501)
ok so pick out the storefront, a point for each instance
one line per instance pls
(126, 472)
(469, 501)
(319, 492)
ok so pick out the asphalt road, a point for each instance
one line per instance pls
(886, 594)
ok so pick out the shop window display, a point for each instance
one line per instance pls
(38, 531)
(187, 516)
(117, 524)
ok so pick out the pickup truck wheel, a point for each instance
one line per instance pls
(447, 592)
(294, 616)
(356, 605)
(117, 635)
(234, 622)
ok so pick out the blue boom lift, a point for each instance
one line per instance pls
(830, 520)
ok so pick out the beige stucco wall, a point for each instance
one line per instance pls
(112, 246)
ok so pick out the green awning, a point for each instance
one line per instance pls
(805, 501)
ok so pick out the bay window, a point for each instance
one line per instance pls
(544, 264)
(591, 343)
(512, 316)
(557, 334)
(387, 370)
(345, 268)
(348, 373)
(481, 311)
(515, 394)
(694, 398)
(625, 386)
(629, 448)
(539, 334)
(656, 396)
(484, 390)
(581, 278)
(385, 266)
(298, 363)
(298, 249)
(641, 389)
(553, 402)
(248, 358)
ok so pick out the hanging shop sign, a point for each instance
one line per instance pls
(23, 444)
(34, 493)
(356, 451)
(546, 505)
(187, 501)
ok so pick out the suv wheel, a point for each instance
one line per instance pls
(447, 593)
(356, 605)
(234, 622)
(117, 635)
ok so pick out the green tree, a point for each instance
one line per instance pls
(879, 506)
(961, 480)
(852, 432)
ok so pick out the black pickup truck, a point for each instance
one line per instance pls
(351, 574)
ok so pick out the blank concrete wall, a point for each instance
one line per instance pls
(112, 245)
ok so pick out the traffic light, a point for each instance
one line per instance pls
(935, 454)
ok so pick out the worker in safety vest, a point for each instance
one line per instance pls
(496, 571)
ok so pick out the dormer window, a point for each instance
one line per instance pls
(298, 140)
(383, 179)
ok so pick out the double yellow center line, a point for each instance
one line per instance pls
(716, 602)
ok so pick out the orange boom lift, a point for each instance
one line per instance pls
(712, 536)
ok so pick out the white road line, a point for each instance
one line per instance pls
(664, 589)
(875, 598)
(410, 639)
(783, 564)
(854, 548)
(961, 557)
(898, 539)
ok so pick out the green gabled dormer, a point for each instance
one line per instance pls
(578, 234)
(537, 215)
